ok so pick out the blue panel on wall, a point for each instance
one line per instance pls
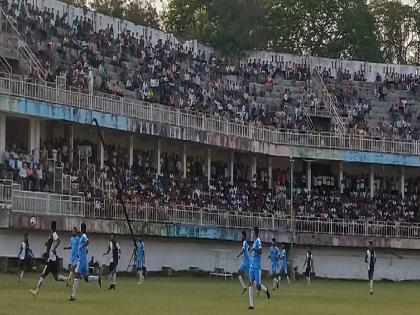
(77, 115)
(381, 158)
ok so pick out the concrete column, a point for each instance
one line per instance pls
(270, 173)
(34, 137)
(402, 183)
(372, 180)
(2, 136)
(208, 165)
(341, 177)
(231, 166)
(101, 154)
(131, 150)
(309, 175)
(253, 166)
(184, 161)
(158, 157)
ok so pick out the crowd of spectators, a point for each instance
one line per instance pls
(328, 199)
(129, 65)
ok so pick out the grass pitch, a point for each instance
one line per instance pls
(202, 296)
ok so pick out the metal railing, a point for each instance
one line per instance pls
(329, 101)
(19, 44)
(186, 215)
(15, 86)
(6, 189)
(229, 219)
(65, 205)
(47, 204)
(357, 228)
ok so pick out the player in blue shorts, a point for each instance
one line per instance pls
(244, 268)
(274, 255)
(74, 248)
(140, 260)
(255, 269)
(82, 267)
(283, 259)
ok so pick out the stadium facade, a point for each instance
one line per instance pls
(31, 112)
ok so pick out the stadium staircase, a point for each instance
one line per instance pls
(320, 89)
(13, 46)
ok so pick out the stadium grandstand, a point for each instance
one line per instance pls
(315, 151)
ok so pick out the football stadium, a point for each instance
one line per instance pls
(209, 157)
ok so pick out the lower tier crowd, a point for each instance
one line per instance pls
(142, 184)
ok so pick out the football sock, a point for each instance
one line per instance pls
(39, 283)
(263, 288)
(251, 296)
(75, 287)
(242, 281)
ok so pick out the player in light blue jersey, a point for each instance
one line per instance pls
(283, 260)
(74, 248)
(82, 267)
(274, 256)
(255, 269)
(244, 267)
(140, 261)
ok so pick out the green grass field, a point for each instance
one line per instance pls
(201, 296)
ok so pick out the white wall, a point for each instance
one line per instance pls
(180, 254)
(101, 21)
(348, 263)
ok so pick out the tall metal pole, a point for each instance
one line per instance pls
(292, 212)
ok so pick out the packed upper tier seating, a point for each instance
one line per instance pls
(257, 92)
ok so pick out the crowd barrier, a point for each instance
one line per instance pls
(14, 85)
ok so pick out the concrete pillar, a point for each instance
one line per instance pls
(131, 150)
(34, 137)
(184, 161)
(341, 177)
(372, 180)
(309, 175)
(158, 157)
(253, 167)
(231, 166)
(208, 165)
(402, 183)
(101, 154)
(2, 136)
(270, 173)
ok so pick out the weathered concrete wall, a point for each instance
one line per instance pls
(26, 107)
(181, 253)
(18, 221)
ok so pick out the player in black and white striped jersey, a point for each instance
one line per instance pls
(51, 265)
(309, 264)
(370, 260)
